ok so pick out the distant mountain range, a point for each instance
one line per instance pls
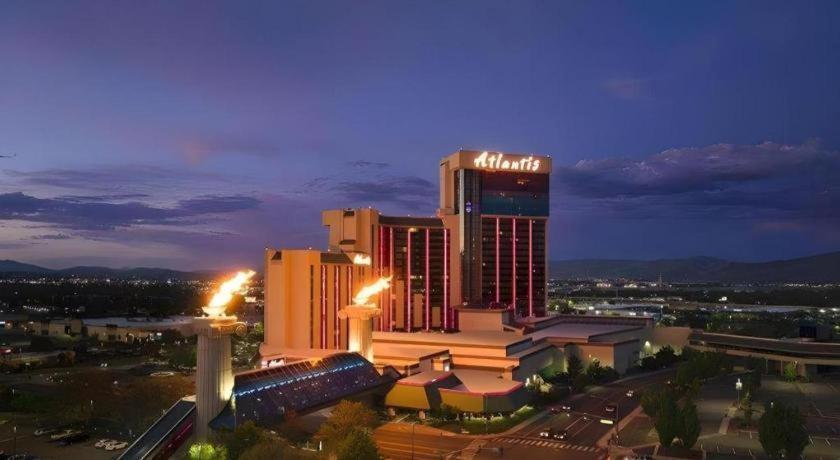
(823, 268)
(11, 267)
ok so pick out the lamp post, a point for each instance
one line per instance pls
(738, 386)
(413, 424)
(14, 440)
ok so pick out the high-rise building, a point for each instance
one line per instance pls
(486, 248)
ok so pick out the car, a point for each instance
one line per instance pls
(629, 393)
(549, 433)
(44, 431)
(117, 445)
(62, 434)
(566, 407)
(610, 408)
(561, 435)
(554, 410)
(77, 436)
(103, 442)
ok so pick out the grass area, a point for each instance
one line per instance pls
(497, 424)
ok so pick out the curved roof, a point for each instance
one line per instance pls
(265, 395)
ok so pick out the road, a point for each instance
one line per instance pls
(583, 425)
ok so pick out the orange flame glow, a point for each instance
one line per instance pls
(225, 293)
(364, 295)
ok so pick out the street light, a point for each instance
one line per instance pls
(738, 386)
(413, 424)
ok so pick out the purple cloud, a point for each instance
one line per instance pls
(72, 214)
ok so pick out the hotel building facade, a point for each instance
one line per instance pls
(485, 249)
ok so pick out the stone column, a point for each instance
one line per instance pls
(360, 333)
(214, 371)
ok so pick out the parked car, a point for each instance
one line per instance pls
(44, 431)
(119, 445)
(103, 442)
(78, 436)
(61, 435)
(561, 435)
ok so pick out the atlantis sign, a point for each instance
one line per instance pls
(502, 162)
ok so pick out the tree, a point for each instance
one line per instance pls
(666, 356)
(573, 366)
(580, 382)
(746, 405)
(346, 417)
(690, 427)
(357, 445)
(206, 451)
(241, 438)
(668, 419)
(650, 403)
(781, 432)
(265, 450)
(789, 372)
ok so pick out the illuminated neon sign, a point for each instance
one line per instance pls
(498, 161)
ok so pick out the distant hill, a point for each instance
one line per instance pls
(823, 268)
(11, 267)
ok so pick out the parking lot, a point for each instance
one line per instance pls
(25, 442)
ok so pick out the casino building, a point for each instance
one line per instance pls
(484, 250)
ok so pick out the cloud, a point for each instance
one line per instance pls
(764, 180)
(72, 214)
(114, 180)
(629, 88)
(56, 236)
(197, 149)
(367, 164)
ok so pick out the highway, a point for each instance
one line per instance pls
(583, 424)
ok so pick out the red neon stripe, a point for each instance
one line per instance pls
(428, 318)
(445, 279)
(380, 264)
(513, 245)
(391, 289)
(409, 319)
(349, 297)
(336, 294)
(498, 283)
(323, 306)
(530, 268)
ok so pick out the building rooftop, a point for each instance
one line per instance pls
(493, 339)
(483, 382)
(580, 331)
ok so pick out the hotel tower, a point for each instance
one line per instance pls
(485, 249)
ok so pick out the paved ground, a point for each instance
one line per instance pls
(818, 400)
(583, 425)
(25, 442)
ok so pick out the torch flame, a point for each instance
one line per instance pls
(368, 291)
(361, 259)
(222, 297)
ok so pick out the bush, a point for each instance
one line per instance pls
(668, 419)
(781, 432)
(357, 445)
(346, 417)
(690, 427)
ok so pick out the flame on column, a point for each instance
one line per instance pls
(226, 291)
(368, 291)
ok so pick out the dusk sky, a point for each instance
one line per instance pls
(192, 135)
